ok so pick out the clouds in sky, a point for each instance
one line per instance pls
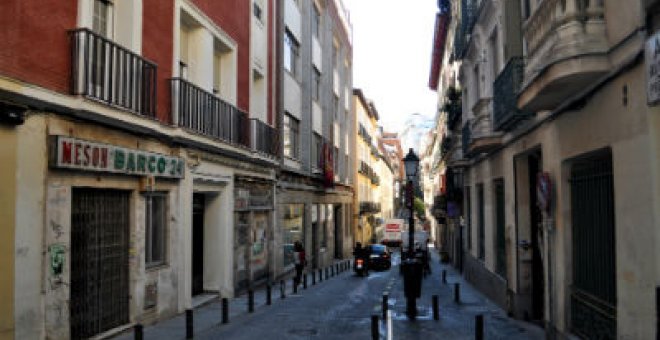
(392, 42)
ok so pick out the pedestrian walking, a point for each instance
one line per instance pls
(299, 260)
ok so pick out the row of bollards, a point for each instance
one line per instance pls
(331, 271)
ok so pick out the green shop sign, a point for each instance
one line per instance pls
(79, 154)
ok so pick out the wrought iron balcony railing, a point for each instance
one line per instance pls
(202, 112)
(369, 207)
(264, 138)
(108, 72)
(506, 88)
(468, 14)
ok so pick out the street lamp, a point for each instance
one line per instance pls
(412, 268)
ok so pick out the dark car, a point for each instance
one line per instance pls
(380, 257)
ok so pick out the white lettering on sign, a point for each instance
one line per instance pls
(652, 57)
(79, 154)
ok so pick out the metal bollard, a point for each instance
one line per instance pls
(332, 271)
(436, 308)
(225, 310)
(250, 301)
(457, 292)
(295, 286)
(320, 275)
(282, 286)
(385, 306)
(189, 324)
(269, 300)
(444, 276)
(374, 327)
(305, 281)
(313, 277)
(138, 332)
(479, 327)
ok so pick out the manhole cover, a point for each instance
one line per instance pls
(306, 332)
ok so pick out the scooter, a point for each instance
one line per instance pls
(360, 267)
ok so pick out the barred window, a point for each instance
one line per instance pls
(155, 229)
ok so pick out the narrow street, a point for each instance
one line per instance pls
(341, 307)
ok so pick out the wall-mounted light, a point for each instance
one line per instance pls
(12, 114)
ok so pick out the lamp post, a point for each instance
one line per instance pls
(412, 267)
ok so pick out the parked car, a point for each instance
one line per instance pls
(380, 258)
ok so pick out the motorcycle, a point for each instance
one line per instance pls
(360, 267)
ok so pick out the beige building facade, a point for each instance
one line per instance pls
(560, 189)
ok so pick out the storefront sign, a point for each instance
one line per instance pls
(652, 56)
(72, 153)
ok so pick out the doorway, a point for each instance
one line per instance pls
(99, 261)
(530, 295)
(198, 244)
(593, 292)
(536, 219)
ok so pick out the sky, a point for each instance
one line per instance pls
(392, 45)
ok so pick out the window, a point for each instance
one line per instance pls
(316, 84)
(316, 21)
(184, 48)
(217, 64)
(477, 83)
(155, 227)
(335, 107)
(101, 23)
(335, 158)
(495, 58)
(526, 9)
(291, 136)
(335, 54)
(481, 251)
(317, 151)
(256, 10)
(347, 167)
(290, 56)
(292, 229)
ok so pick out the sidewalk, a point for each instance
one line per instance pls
(457, 320)
(209, 315)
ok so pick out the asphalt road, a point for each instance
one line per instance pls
(341, 307)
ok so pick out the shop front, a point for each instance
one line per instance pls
(110, 233)
(253, 215)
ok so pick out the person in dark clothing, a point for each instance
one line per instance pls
(362, 253)
(299, 260)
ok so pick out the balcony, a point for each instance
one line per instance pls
(264, 138)
(506, 87)
(453, 107)
(367, 207)
(483, 138)
(201, 112)
(468, 14)
(375, 179)
(567, 49)
(104, 71)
